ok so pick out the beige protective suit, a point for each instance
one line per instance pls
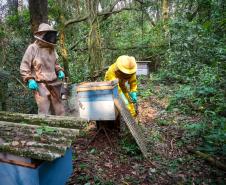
(40, 63)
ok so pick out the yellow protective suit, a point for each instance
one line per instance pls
(112, 74)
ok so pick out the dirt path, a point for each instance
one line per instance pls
(169, 161)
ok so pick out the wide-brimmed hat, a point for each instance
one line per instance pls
(126, 64)
(43, 27)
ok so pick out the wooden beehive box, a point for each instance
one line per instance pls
(35, 149)
(143, 68)
(96, 100)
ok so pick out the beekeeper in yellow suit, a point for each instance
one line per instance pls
(124, 69)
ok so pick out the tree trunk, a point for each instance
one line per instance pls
(3, 96)
(50, 120)
(94, 41)
(38, 13)
(63, 49)
(77, 3)
(158, 10)
(64, 54)
(204, 10)
(165, 15)
(20, 6)
(165, 10)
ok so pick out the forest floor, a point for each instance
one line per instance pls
(169, 161)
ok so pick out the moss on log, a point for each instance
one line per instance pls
(9, 126)
(44, 138)
(34, 153)
(35, 141)
(50, 120)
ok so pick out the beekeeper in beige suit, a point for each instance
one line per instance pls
(40, 71)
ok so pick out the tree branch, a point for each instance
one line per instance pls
(191, 16)
(146, 14)
(113, 5)
(140, 1)
(112, 48)
(209, 158)
(108, 14)
(105, 14)
(76, 20)
(82, 38)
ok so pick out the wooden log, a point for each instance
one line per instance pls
(50, 120)
(209, 159)
(27, 141)
(70, 133)
(41, 153)
(23, 138)
(35, 145)
(48, 139)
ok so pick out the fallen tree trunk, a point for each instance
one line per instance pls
(49, 120)
(209, 159)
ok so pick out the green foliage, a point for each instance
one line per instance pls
(192, 47)
(45, 129)
(174, 165)
(83, 166)
(193, 99)
(211, 104)
(132, 35)
(192, 53)
(145, 90)
(196, 61)
(155, 136)
(163, 122)
(15, 32)
(212, 130)
(2, 33)
(129, 146)
(93, 151)
(84, 179)
(215, 137)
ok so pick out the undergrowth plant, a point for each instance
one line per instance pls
(196, 61)
(129, 146)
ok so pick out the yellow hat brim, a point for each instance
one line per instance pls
(125, 70)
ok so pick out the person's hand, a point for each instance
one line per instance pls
(61, 75)
(133, 96)
(124, 98)
(32, 84)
